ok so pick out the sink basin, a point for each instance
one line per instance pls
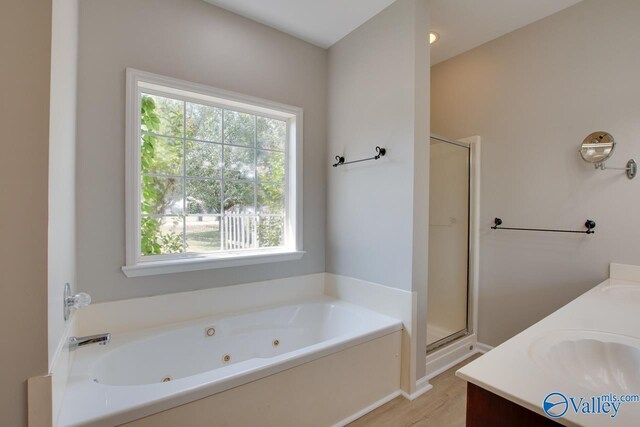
(627, 293)
(598, 361)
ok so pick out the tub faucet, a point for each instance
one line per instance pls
(77, 342)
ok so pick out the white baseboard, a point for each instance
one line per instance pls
(422, 386)
(368, 409)
(483, 348)
(450, 365)
(450, 355)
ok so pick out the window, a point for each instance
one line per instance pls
(213, 178)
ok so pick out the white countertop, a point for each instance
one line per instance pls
(515, 372)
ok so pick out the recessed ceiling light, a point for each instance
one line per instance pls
(433, 37)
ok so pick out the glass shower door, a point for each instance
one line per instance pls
(449, 190)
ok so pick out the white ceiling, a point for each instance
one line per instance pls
(465, 24)
(321, 22)
(462, 24)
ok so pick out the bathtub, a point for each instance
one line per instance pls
(144, 372)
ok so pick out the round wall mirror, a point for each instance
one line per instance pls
(597, 147)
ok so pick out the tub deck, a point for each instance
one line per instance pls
(145, 372)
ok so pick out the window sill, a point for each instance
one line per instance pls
(154, 268)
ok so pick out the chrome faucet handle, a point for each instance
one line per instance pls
(77, 301)
(80, 300)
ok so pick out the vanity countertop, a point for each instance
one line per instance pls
(588, 348)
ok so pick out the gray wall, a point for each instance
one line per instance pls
(371, 102)
(25, 43)
(533, 95)
(197, 42)
(377, 211)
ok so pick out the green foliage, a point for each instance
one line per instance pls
(203, 197)
(270, 231)
(154, 242)
(156, 158)
(271, 133)
(239, 128)
(203, 122)
(203, 162)
(271, 195)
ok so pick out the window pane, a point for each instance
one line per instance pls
(270, 199)
(212, 179)
(161, 115)
(270, 231)
(204, 159)
(162, 156)
(238, 198)
(203, 196)
(270, 166)
(239, 163)
(162, 195)
(204, 122)
(239, 128)
(239, 232)
(160, 236)
(272, 134)
(203, 234)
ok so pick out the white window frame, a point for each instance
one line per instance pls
(136, 265)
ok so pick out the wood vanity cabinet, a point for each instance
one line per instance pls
(485, 409)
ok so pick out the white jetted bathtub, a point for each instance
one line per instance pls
(144, 372)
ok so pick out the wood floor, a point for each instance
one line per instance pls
(443, 406)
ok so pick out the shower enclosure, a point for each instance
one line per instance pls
(448, 307)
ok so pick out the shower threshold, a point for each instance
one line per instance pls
(447, 340)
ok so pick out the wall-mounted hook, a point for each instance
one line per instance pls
(381, 152)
